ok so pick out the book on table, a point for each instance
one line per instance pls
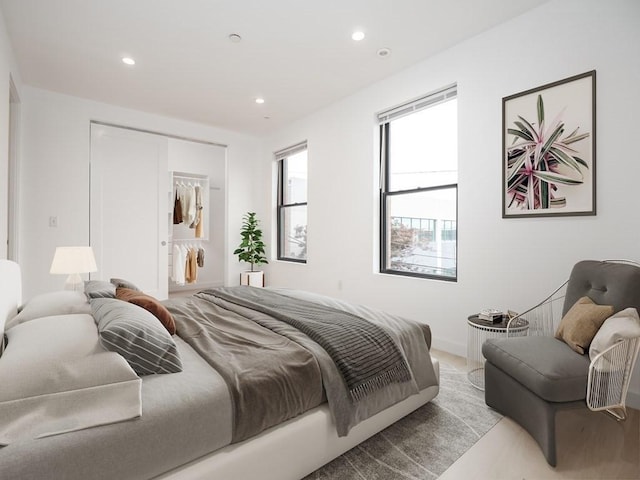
(491, 315)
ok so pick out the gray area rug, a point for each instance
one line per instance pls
(422, 445)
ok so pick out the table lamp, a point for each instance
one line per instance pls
(73, 261)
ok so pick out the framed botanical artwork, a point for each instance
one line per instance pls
(549, 149)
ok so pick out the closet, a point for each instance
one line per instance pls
(189, 227)
(131, 206)
(204, 165)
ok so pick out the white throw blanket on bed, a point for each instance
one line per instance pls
(55, 377)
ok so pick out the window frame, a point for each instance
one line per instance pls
(385, 119)
(281, 158)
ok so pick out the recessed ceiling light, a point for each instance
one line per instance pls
(128, 61)
(235, 38)
(357, 36)
(383, 52)
(259, 100)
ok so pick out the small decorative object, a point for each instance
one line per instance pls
(251, 250)
(549, 149)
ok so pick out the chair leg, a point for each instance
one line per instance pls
(535, 415)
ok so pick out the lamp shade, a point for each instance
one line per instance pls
(70, 260)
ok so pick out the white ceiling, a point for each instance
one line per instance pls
(297, 54)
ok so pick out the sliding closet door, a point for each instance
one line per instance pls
(129, 207)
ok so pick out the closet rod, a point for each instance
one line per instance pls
(191, 177)
(190, 180)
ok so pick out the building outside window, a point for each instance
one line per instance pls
(419, 187)
(292, 203)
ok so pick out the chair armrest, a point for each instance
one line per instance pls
(610, 375)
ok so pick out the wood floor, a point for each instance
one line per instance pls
(590, 446)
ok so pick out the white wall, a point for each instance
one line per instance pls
(503, 263)
(8, 70)
(55, 176)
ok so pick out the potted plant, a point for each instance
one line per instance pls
(251, 250)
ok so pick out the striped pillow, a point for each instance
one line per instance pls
(99, 289)
(137, 335)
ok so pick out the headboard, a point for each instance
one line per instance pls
(10, 293)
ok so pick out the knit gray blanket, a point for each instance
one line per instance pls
(364, 353)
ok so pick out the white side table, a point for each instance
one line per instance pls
(477, 332)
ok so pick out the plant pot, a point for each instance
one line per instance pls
(253, 279)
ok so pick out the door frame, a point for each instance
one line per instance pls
(13, 177)
(98, 123)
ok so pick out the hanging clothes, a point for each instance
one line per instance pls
(178, 270)
(189, 204)
(177, 208)
(181, 192)
(191, 266)
(200, 257)
(199, 216)
(188, 210)
(198, 204)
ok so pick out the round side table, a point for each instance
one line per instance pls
(480, 330)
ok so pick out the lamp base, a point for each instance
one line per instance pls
(74, 282)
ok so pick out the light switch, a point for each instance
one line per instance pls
(53, 222)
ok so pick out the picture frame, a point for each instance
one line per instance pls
(549, 169)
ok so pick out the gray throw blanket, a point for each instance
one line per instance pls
(270, 377)
(365, 355)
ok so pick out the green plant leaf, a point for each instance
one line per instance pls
(552, 177)
(565, 159)
(572, 139)
(580, 161)
(540, 110)
(517, 164)
(552, 138)
(526, 126)
(544, 188)
(519, 134)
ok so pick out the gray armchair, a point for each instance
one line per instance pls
(530, 379)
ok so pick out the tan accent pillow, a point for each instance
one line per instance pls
(580, 324)
(150, 304)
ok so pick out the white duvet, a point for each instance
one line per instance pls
(55, 377)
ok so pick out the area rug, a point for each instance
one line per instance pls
(422, 445)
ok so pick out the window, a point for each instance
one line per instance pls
(292, 203)
(419, 187)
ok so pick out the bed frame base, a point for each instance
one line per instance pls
(296, 448)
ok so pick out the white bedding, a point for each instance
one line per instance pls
(184, 416)
(57, 378)
(61, 302)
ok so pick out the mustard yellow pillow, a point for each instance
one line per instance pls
(580, 324)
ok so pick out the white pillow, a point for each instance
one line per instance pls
(624, 324)
(48, 304)
(57, 378)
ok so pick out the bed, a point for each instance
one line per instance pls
(185, 424)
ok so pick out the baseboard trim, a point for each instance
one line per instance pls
(456, 348)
